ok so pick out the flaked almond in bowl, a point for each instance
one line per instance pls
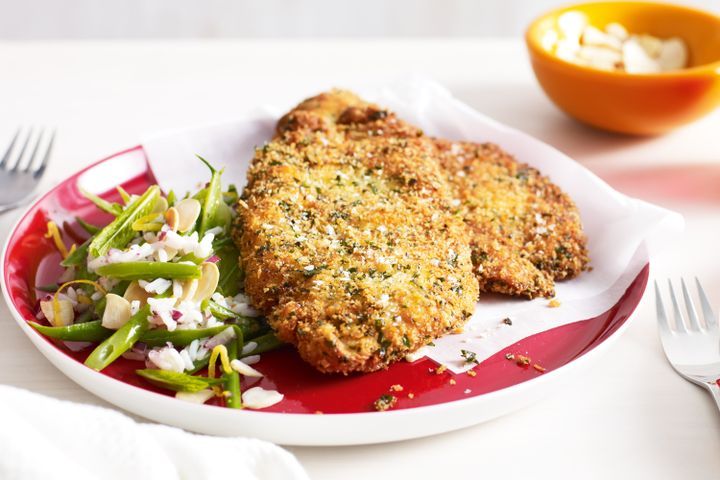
(613, 47)
(633, 67)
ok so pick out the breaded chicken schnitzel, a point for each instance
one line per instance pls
(526, 232)
(348, 238)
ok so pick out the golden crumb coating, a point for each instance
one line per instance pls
(348, 238)
(526, 232)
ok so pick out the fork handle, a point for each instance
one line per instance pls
(714, 391)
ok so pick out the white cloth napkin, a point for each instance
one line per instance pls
(46, 438)
(623, 232)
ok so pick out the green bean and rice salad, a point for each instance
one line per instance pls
(162, 284)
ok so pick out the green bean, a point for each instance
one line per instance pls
(123, 194)
(200, 364)
(178, 382)
(51, 288)
(190, 257)
(149, 270)
(99, 306)
(250, 326)
(221, 241)
(239, 338)
(171, 198)
(232, 380)
(78, 332)
(217, 310)
(85, 316)
(88, 227)
(108, 207)
(82, 273)
(264, 343)
(230, 272)
(211, 213)
(120, 341)
(179, 338)
(119, 232)
(230, 197)
(78, 256)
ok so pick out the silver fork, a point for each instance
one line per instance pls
(22, 166)
(691, 346)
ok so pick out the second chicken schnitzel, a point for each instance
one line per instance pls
(526, 232)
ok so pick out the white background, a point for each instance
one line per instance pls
(33, 19)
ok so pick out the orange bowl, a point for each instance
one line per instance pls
(639, 104)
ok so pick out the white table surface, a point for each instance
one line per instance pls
(629, 417)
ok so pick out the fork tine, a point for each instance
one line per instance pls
(690, 307)
(679, 322)
(22, 151)
(662, 316)
(708, 314)
(31, 159)
(41, 168)
(9, 150)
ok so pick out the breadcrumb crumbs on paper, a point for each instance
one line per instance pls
(539, 368)
(467, 390)
(411, 395)
(554, 303)
(509, 356)
(469, 356)
(318, 412)
(452, 381)
(440, 370)
(396, 388)
(385, 402)
(472, 373)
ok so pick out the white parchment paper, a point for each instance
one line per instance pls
(624, 233)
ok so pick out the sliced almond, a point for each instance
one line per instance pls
(208, 282)
(189, 288)
(651, 45)
(600, 57)
(161, 204)
(571, 24)
(244, 369)
(189, 211)
(597, 38)
(168, 252)
(549, 40)
(172, 218)
(117, 311)
(636, 59)
(673, 55)
(65, 312)
(617, 31)
(135, 292)
(196, 397)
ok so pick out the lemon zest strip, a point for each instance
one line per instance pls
(220, 351)
(54, 233)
